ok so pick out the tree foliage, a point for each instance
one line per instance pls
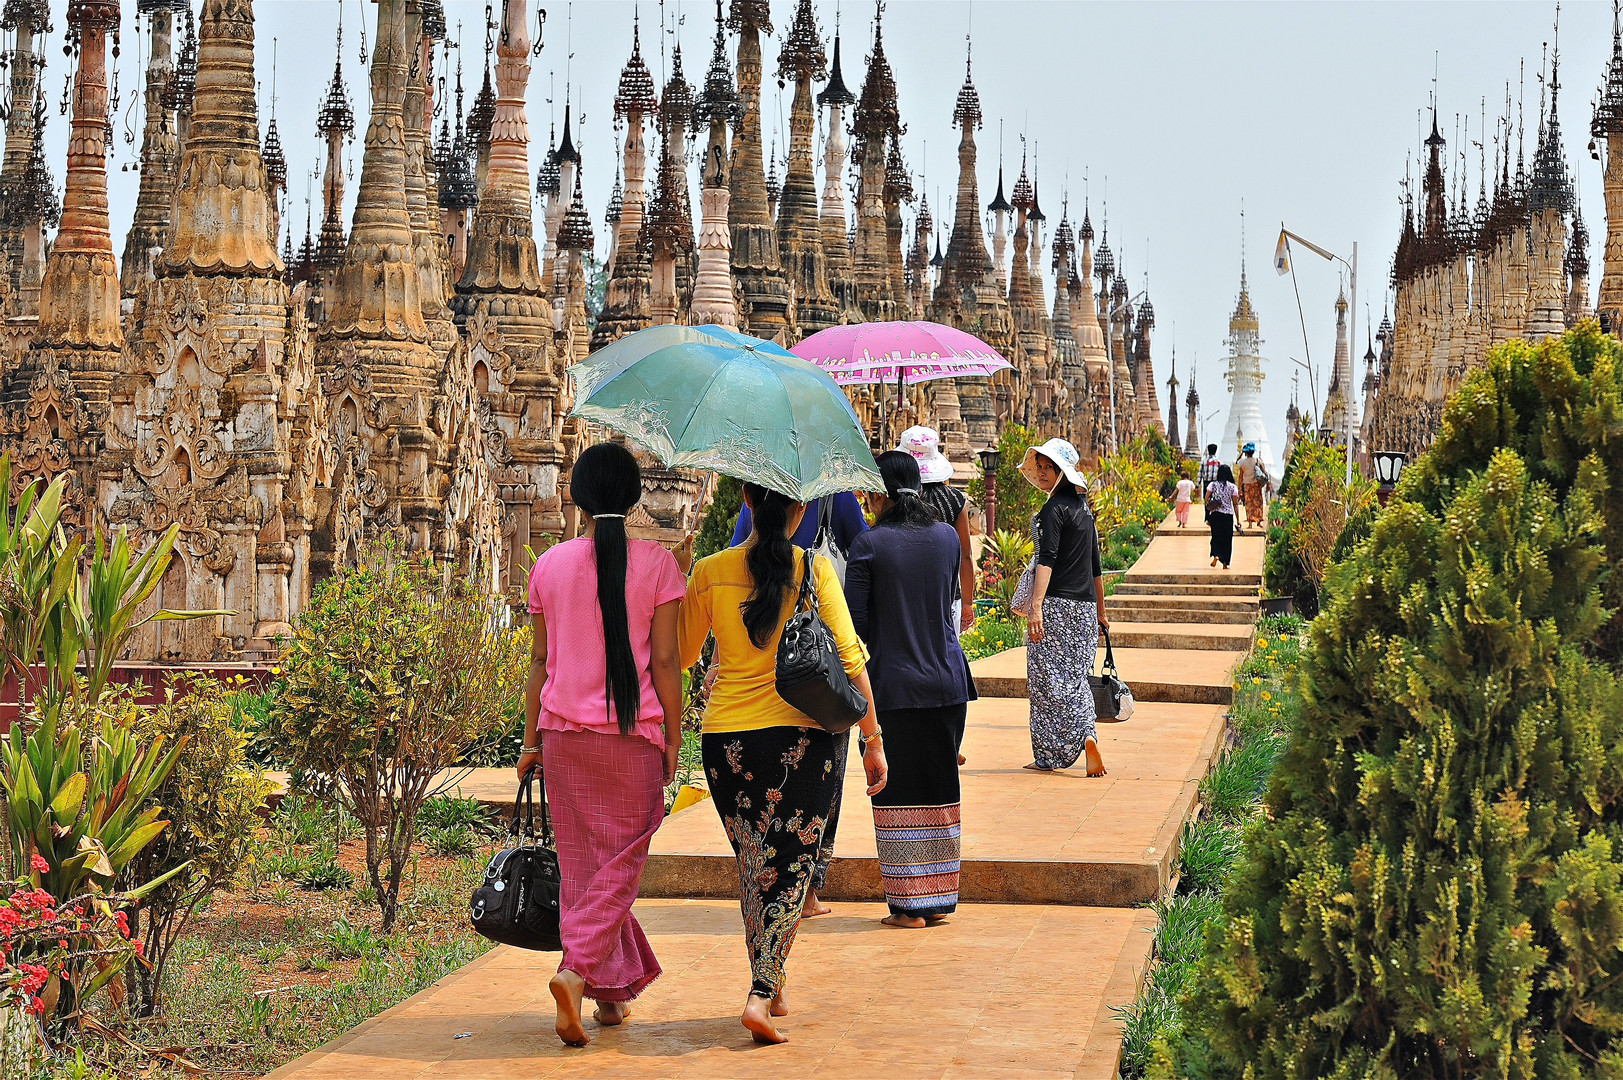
(394, 670)
(1437, 887)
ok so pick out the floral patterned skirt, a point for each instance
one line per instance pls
(1057, 670)
(774, 789)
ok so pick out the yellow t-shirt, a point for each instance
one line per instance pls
(745, 696)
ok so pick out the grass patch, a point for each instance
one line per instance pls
(1266, 704)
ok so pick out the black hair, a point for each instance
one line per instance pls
(1211, 449)
(606, 483)
(771, 563)
(903, 486)
(1225, 475)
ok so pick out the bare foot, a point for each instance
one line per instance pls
(1214, 562)
(780, 1003)
(962, 760)
(568, 990)
(1034, 767)
(1096, 761)
(611, 1013)
(757, 1019)
(934, 920)
(813, 907)
(905, 922)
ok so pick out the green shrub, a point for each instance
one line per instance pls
(1207, 850)
(449, 840)
(1435, 887)
(991, 635)
(716, 532)
(213, 796)
(319, 873)
(451, 812)
(395, 669)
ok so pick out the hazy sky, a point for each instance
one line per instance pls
(1175, 111)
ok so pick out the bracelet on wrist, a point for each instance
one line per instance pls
(530, 749)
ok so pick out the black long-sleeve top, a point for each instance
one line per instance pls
(899, 585)
(1067, 541)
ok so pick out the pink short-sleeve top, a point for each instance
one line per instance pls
(563, 589)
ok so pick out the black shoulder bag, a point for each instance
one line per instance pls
(517, 904)
(1112, 698)
(810, 676)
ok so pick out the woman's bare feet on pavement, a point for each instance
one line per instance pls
(813, 907)
(758, 1020)
(780, 1003)
(962, 759)
(611, 1013)
(568, 990)
(905, 922)
(1096, 761)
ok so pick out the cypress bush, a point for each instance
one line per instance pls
(1436, 889)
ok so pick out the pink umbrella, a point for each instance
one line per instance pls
(909, 352)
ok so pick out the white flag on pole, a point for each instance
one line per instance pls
(1282, 254)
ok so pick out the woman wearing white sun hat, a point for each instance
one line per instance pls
(1067, 612)
(950, 505)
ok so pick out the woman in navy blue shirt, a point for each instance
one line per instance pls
(900, 585)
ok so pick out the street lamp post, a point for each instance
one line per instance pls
(1352, 325)
(989, 462)
(1388, 468)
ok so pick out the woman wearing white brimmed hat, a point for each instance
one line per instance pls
(950, 506)
(1067, 612)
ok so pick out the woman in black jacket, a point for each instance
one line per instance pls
(899, 585)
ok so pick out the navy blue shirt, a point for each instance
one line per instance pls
(848, 523)
(900, 585)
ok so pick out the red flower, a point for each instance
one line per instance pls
(34, 977)
(37, 1007)
(40, 865)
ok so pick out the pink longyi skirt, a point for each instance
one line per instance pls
(606, 795)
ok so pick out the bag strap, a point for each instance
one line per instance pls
(808, 595)
(524, 804)
(1110, 656)
(825, 521)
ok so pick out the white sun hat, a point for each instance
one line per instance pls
(925, 446)
(1062, 454)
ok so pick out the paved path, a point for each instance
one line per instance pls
(1050, 865)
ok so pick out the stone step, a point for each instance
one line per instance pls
(1149, 635)
(1231, 578)
(1192, 676)
(1127, 608)
(1219, 587)
(1189, 603)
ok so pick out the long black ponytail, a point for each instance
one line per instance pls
(771, 562)
(903, 487)
(606, 483)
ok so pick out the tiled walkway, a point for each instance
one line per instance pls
(1019, 985)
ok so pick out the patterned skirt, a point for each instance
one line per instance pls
(606, 794)
(773, 788)
(1057, 670)
(916, 816)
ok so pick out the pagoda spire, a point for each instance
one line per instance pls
(458, 187)
(717, 107)
(670, 215)
(275, 162)
(160, 150)
(1172, 397)
(1550, 200)
(1067, 363)
(1030, 353)
(483, 114)
(800, 238)
(833, 217)
(223, 216)
(336, 124)
(1191, 404)
(875, 124)
(627, 302)
(1606, 128)
(755, 258)
(425, 24)
(22, 207)
(79, 294)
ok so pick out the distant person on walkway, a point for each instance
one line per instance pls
(1067, 613)
(603, 710)
(1209, 467)
(1185, 495)
(951, 506)
(770, 768)
(900, 585)
(1251, 477)
(1221, 496)
(846, 522)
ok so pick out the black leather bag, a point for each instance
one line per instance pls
(1112, 698)
(517, 904)
(810, 676)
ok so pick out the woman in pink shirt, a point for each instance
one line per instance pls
(603, 708)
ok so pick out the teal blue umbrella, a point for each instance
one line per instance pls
(705, 397)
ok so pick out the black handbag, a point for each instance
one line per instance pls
(517, 904)
(1112, 698)
(810, 676)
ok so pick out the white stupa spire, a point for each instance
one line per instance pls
(1245, 424)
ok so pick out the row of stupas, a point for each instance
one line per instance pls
(1468, 278)
(405, 380)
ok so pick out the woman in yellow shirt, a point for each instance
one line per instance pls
(770, 768)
